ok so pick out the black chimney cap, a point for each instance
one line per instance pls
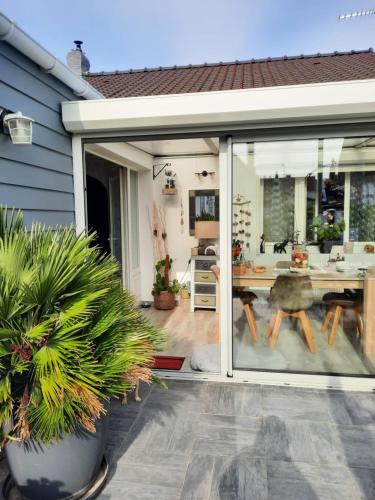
(78, 44)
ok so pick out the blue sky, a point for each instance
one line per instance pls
(123, 34)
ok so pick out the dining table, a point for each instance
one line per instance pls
(325, 278)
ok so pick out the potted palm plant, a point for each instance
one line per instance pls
(164, 291)
(71, 338)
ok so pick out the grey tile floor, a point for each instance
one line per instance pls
(205, 440)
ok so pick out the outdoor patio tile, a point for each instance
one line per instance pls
(301, 406)
(153, 475)
(288, 440)
(152, 430)
(358, 446)
(131, 491)
(182, 437)
(352, 409)
(296, 480)
(197, 485)
(364, 483)
(233, 399)
(167, 459)
(239, 477)
(327, 444)
(215, 440)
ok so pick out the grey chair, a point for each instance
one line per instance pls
(292, 296)
(337, 304)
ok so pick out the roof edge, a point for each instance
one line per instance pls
(231, 63)
(19, 39)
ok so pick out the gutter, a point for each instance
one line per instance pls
(15, 36)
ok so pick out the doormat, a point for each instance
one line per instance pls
(168, 362)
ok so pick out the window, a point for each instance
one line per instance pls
(278, 208)
(362, 206)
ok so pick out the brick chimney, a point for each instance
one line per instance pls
(77, 60)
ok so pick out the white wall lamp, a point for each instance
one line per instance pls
(20, 127)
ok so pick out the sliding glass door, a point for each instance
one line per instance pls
(303, 255)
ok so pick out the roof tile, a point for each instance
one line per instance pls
(304, 69)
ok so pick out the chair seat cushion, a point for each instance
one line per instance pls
(339, 299)
(247, 297)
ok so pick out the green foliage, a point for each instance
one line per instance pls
(162, 283)
(70, 335)
(205, 216)
(327, 230)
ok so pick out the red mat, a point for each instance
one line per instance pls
(168, 362)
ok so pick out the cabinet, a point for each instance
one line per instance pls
(203, 288)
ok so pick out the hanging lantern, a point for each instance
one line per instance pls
(20, 128)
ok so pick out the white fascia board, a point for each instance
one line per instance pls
(287, 103)
(123, 154)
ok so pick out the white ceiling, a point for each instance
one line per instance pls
(178, 146)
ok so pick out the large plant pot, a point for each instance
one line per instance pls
(60, 470)
(239, 269)
(164, 300)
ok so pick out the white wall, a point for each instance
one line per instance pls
(179, 240)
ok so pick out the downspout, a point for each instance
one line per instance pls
(12, 34)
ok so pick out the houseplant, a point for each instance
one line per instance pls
(206, 227)
(70, 339)
(328, 231)
(164, 291)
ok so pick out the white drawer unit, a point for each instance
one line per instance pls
(203, 283)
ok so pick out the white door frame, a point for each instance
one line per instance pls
(227, 372)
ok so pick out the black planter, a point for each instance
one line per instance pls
(60, 470)
(326, 245)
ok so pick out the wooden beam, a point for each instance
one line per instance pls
(212, 145)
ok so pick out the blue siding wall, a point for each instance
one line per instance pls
(36, 178)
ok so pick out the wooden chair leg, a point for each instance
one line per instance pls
(251, 322)
(276, 329)
(270, 326)
(336, 320)
(327, 320)
(306, 326)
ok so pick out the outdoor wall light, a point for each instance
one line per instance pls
(20, 127)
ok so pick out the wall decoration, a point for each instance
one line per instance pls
(241, 220)
(202, 203)
(182, 222)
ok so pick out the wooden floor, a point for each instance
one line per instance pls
(186, 330)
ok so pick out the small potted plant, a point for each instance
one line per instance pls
(328, 231)
(169, 182)
(239, 264)
(164, 291)
(206, 227)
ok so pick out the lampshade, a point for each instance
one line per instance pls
(207, 230)
(20, 128)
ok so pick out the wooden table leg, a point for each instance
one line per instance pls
(369, 316)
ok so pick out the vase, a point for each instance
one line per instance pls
(326, 245)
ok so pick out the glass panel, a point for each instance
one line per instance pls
(298, 208)
(278, 208)
(362, 206)
(115, 215)
(134, 220)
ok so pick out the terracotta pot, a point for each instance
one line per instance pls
(239, 269)
(164, 300)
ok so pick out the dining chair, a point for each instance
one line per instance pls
(247, 298)
(292, 296)
(337, 304)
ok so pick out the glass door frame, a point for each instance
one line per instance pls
(263, 376)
